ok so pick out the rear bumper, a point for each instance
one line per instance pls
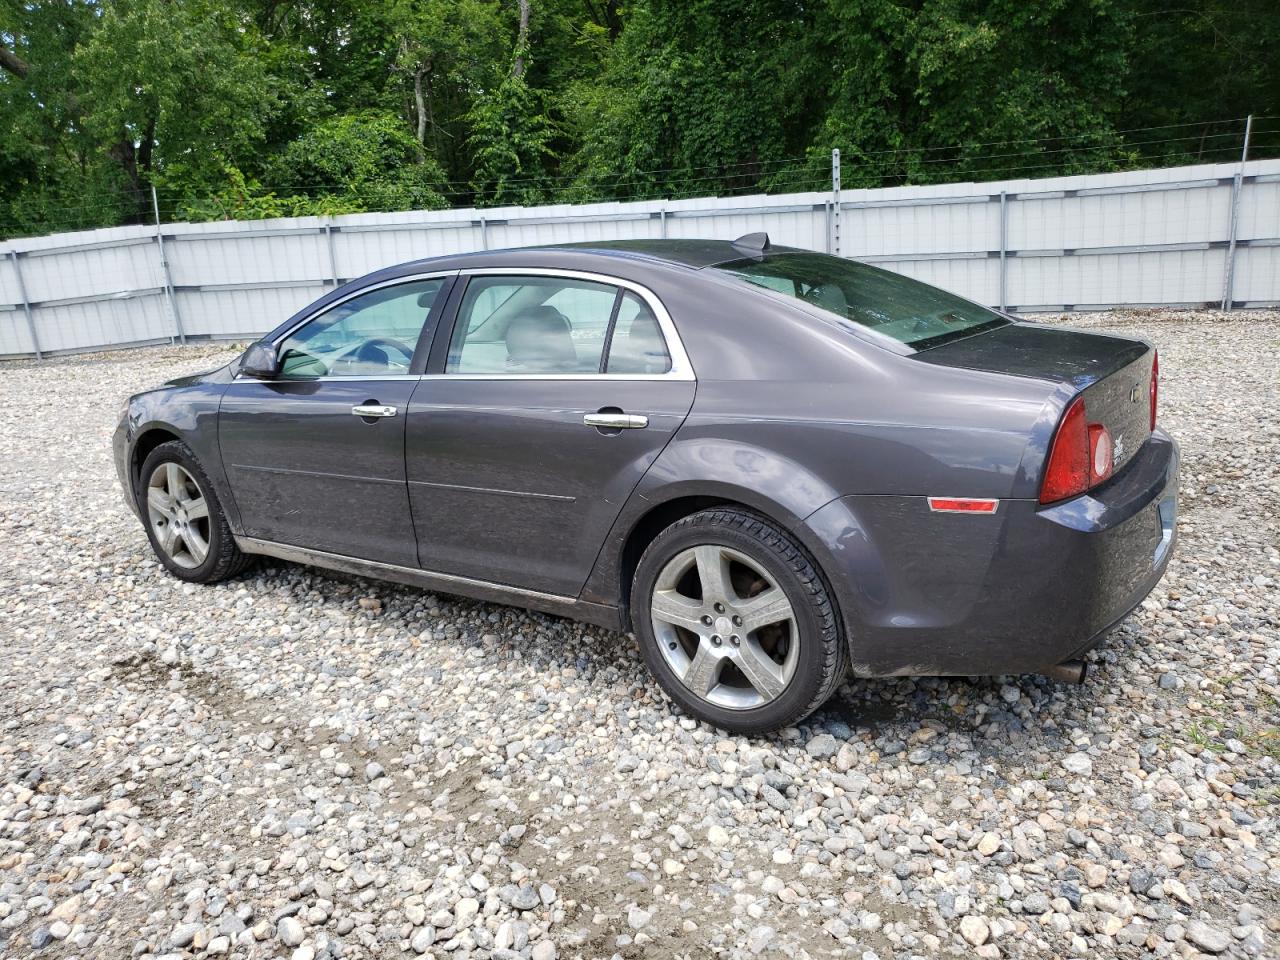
(927, 593)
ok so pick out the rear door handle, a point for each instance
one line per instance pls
(373, 410)
(616, 421)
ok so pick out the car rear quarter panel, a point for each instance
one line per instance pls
(792, 414)
(843, 441)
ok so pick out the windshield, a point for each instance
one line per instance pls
(907, 310)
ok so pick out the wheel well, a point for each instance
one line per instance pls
(143, 446)
(653, 523)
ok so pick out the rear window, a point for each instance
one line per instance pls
(907, 310)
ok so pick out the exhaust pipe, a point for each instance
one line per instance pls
(1072, 671)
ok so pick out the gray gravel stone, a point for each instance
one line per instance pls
(367, 767)
(1036, 903)
(290, 931)
(184, 934)
(1141, 880)
(524, 898)
(1207, 938)
(1078, 763)
(775, 799)
(423, 939)
(822, 746)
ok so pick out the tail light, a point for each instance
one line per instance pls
(1155, 386)
(1080, 457)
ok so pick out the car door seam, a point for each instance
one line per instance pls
(609, 537)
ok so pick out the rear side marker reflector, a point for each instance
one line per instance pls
(962, 505)
(1155, 387)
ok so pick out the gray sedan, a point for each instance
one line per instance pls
(775, 467)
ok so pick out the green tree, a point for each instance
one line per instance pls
(268, 107)
(1198, 61)
(53, 174)
(178, 89)
(918, 82)
(366, 160)
(511, 141)
(352, 163)
(441, 45)
(700, 95)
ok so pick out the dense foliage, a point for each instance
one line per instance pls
(250, 108)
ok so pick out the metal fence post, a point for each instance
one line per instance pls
(333, 258)
(1237, 186)
(484, 234)
(26, 305)
(1004, 246)
(168, 278)
(835, 201)
(663, 218)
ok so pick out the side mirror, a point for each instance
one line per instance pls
(260, 361)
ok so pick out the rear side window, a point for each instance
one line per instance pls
(519, 325)
(907, 310)
(638, 345)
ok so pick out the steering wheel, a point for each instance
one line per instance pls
(378, 350)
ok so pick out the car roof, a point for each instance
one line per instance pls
(689, 254)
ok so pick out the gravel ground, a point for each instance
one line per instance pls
(302, 765)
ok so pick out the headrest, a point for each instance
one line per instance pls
(642, 350)
(644, 331)
(829, 296)
(540, 337)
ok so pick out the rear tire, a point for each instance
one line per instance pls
(183, 518)
(736, 622)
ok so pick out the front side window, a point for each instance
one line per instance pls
(373, 334)
(532, 325)
(907, 310)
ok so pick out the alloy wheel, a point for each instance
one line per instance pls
(178, 514)
(725, 628)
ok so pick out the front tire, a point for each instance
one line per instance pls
(736, 622)
(183, 518)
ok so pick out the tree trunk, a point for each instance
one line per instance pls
(420, 105)
(13, 63)
(606, 15)
(146, 147)
(125, 153)
(522, 41)
(612, 19)
(431, 115)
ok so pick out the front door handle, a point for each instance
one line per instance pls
(615, 421)
(373, 410)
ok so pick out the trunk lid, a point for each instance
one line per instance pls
(1112, 373)
(1057, 354)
